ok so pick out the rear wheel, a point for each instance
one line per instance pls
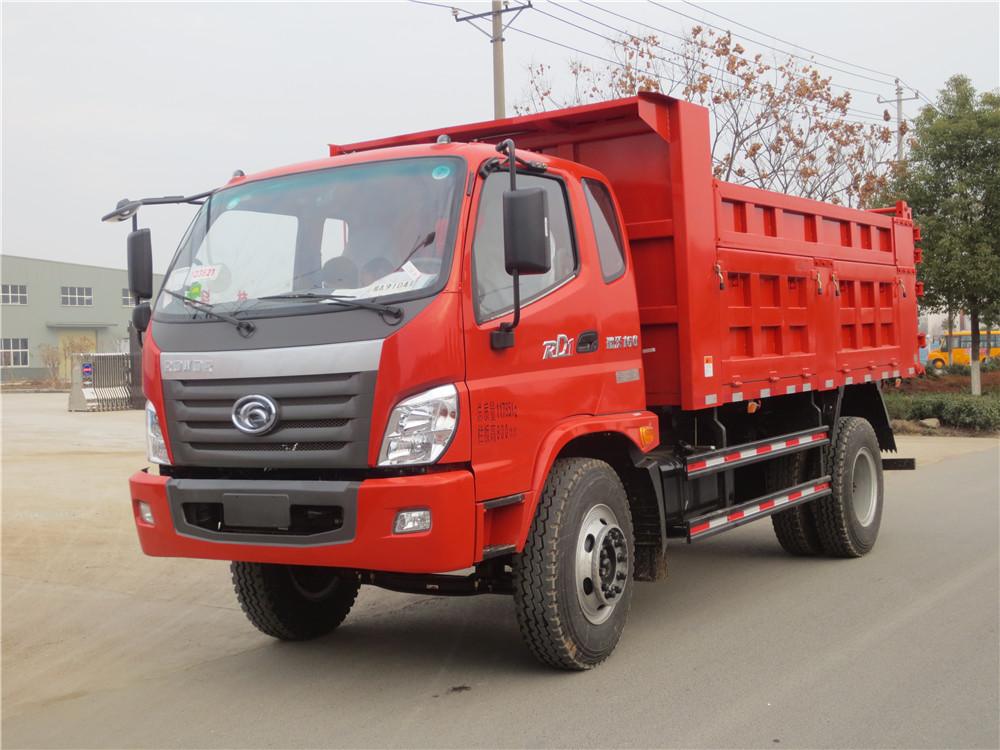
(795, 528)
(848, 519)
(573, 581)
(294, 602)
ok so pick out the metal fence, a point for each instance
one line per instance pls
(104, 382)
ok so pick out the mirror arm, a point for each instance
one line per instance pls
(507, 147)
(128, 209)
(503, 337)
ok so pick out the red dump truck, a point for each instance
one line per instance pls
(514, 357)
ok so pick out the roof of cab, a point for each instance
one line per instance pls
(474, 153)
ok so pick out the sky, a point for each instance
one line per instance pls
(104, 101)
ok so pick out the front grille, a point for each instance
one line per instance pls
(325, 421)
(267, 447)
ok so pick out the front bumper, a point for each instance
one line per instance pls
(363, 541)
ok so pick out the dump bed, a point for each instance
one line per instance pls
(743, 293)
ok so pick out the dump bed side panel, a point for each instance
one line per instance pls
(813, 295)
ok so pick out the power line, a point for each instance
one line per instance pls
(799, 46)
(783, 41)
(858, 112)
(626, 67)
(685, 39)
(608, 38)
(770, 47)
(616, 63)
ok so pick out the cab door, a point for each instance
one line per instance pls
(559, 366)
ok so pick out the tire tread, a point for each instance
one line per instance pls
(830, 512)
(536, 593)
(271, 606)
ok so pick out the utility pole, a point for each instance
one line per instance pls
(899, 116)
(499, 106)
(496, 39)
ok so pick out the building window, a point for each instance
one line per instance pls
(77, 296)
(127, 299)
(14, 294)
(14, 353)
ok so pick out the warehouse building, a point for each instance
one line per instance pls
(51, 309)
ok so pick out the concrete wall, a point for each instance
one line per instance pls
(46, 321)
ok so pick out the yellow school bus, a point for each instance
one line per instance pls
(954, 350)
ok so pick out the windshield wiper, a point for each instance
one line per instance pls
(244, 327)
(422, 242)
(350, 303)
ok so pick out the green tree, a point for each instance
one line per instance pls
(952, 181)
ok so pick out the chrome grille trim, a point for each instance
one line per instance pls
(295, 361)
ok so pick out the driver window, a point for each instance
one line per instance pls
(494, 287)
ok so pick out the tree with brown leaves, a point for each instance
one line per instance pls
(777, 125)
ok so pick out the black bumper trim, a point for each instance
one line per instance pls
(262, 504)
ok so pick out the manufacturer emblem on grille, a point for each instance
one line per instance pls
(255, 414)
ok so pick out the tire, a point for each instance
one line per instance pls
(848, 520)
(795, 528)
(293, 602)
(582, 521)
(937, 364)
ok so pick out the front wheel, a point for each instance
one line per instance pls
(294, 602)
(848, 519)
(573, 580)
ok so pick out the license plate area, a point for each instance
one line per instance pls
(266, 512)
(256, 511)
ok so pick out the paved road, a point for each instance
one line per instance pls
(742, 647)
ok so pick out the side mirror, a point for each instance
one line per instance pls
(140, 264)
(141, 314)
(526, 231)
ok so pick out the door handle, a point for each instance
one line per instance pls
(586, 342)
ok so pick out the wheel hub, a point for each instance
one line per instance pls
(602, 564)
(864, 487)
(313, 583)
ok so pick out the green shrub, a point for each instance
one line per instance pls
(953, 409)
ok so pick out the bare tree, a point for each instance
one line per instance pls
(51, 358)
(778, 125)
(76, 345)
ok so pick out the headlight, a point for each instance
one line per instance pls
(420, 428)
(156, 446)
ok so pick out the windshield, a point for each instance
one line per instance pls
(377, 230)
